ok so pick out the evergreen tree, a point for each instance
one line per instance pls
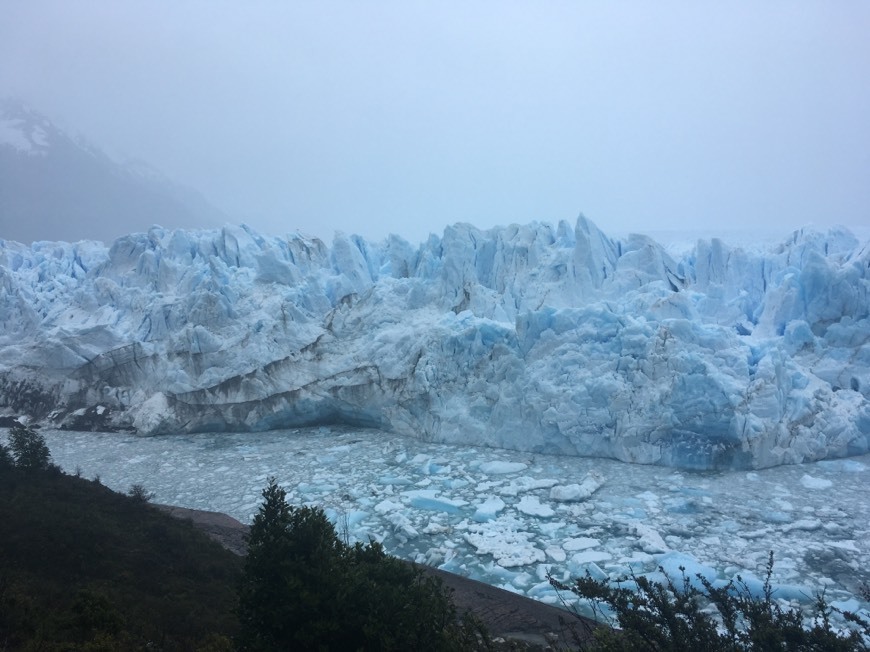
(288, 597)
(6, 460)
(263, 590)
(29, 449)
(304, 589)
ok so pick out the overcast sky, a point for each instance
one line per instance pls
(379, 117)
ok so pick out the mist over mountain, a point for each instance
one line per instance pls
(51, 181)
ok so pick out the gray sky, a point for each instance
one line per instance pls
(379, 117)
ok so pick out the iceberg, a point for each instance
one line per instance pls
(537, 338)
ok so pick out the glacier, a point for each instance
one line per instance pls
(538, 338)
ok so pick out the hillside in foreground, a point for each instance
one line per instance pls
(83, 567)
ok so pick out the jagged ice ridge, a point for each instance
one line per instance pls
(539, 338)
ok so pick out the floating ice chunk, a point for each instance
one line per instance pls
(394, 479)
(541, 590)
(311, 488)
(648, 539)
(683, 505)
(711, 541)
(429, 499)
(354, 517)
(851, 605)
(848, 544)
(556, 554)
(533, 507)
(784, 505)
(648, 497)
(499, 467)
(488, 509)
(590, 556)
(500, 538)
(596, 573)
(676, 565)
(776, 517)
(811, 482)
(580, 543)
(575, 492)
(421, 493)
(438, 504)
(402, 524)
(807, 524)
(388, 506)
(436, 528)
(525, 483)
(755, 586)
(426, 465)
(522, 580)
(637, 560)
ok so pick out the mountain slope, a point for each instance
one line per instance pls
(75, 192)
(83, 566)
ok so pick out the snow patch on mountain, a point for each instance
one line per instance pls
(52, 181)
(539, 338)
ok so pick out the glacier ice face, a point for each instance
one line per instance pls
(536, 338)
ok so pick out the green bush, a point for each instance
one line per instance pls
(140, 494)
(673, 618)
(29, 449)
(305, 589)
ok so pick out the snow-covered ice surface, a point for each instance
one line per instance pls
(496, 515)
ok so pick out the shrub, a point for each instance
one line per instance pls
(305, 589)
(669, 617)
(29, 449)
(140, 494)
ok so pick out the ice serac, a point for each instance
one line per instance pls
(550, 339)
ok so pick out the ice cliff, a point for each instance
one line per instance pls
(540, 338)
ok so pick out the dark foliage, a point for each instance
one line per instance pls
(140, 494)
(29, 448)
(84, 568)
(6, 461)
(668, 617)
(305, 589)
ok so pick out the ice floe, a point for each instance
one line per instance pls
(465, 510)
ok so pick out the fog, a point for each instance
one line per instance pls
(403, 117)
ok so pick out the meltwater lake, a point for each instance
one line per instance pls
(508, 518)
